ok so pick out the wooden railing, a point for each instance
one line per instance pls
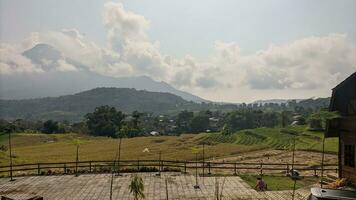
(157, 165)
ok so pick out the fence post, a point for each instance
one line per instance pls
(315, 172)
(261, 168)
(185, 167)
(138, 165)
(89, 166)
(235, 170)
(65, 168)
(38, 169)
(209, 168)
(287, 170)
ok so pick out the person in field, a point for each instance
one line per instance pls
(261, 185)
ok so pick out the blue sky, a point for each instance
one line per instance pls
(187, 29)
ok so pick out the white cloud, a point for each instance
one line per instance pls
(63, 66)
(308, 64)
(11, 61)
(303, 64)
(123, 26)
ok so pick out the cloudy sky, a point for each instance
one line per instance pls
(231, 50)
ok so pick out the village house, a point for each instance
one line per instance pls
(343, 101)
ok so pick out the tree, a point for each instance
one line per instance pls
(183, 120)
(135, 115)
(136, 188)
(104, 121)
(50, 126)
(321, 117)
(199, 123)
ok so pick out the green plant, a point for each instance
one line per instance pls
(136, 188)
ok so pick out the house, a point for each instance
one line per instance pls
(343, 101)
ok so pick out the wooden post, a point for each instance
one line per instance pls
(10, 152)
(185, 167)
(119, 157)
(322, 164)
(38, 169)
(160, 163)
(138, 165)
(166, 188)
(203, 159)
(261, 168)
(65, 168)
(209, 168)
(315, 172)
(90, 166)
(196, 186)
(287, 170)
(76, 162)
(235, 173)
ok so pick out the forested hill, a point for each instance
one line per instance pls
(73, 107)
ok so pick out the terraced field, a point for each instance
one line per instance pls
(276, 138)
(59, 147)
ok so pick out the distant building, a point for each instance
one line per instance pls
(154, 133)
(343, 100)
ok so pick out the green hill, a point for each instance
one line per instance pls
(73, 107)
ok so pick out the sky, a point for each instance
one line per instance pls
(231, 50)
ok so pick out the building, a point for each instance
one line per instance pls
(343, 100)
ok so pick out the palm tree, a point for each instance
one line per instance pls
(136, 188)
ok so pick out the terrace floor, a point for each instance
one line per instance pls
(97, 186)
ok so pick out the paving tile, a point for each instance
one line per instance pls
(97, 186)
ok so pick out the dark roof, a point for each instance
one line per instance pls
(339, 86)
(345, 81)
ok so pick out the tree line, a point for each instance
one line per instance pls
(108, 121)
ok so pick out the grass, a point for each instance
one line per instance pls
(33, 148)
(280, 182)
(277, 138)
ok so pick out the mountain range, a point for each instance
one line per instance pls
(74, 107)
(53, 83)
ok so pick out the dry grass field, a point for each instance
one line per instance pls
(34, 148)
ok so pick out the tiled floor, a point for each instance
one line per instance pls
(97, 186)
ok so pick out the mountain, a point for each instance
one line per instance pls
(74, 107)
(54, 82)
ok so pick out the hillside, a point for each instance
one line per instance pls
(73, 107)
